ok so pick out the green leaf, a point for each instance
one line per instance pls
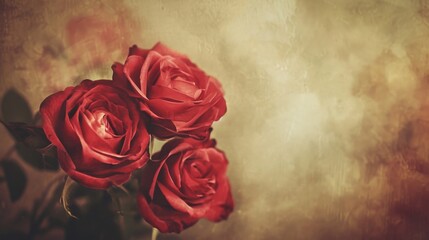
(32, 136)
(36, 159)
(12, 234)
(15, 178)
(15, 108)
(50, 163)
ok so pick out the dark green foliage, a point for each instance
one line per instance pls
(15, 108)
(15, 178)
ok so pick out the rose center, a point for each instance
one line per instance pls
(102, 125)
(178, 78)
(198, 168)
(186, 87)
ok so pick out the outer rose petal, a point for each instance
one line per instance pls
(222, 204)
(175, 224)
(53, 114)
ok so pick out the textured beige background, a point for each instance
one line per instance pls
(327, 126)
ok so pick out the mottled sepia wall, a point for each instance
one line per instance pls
(327, 129)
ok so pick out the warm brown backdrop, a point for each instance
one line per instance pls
(327, 128)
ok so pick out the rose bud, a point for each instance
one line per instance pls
(99, 133)
(185, 181)
(180, 98)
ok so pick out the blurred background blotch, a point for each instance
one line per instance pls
(328, 113)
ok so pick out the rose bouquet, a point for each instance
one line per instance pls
(102, 134)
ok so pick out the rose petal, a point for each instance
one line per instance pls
(222, 203)
(132, 71)
(165, 221)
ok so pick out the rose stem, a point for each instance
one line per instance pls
(154, 233)
(152, 139)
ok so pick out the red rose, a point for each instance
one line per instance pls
(99, 133)
(185, 181)
(180, 98)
